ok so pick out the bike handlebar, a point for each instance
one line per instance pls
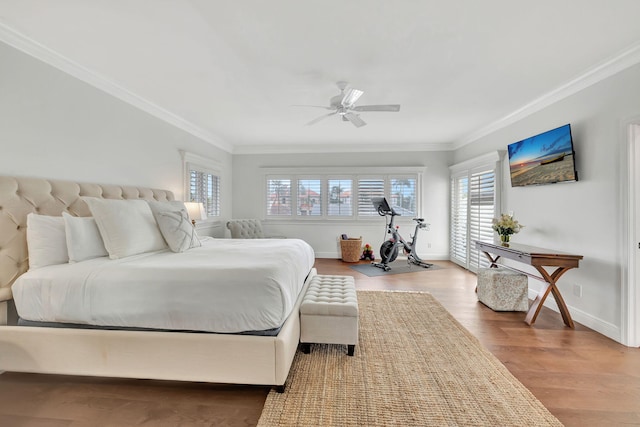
(383, 212)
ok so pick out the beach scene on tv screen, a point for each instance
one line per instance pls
(542, 159)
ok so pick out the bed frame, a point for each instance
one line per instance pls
(216, 358)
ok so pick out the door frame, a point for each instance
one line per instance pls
(630, 233)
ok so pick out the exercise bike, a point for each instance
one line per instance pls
(390, 248)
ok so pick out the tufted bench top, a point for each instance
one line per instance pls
(331, 296)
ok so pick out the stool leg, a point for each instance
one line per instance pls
(305, 347)
(350, 349)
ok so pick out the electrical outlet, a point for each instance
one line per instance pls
(429, 245)
(577, 290)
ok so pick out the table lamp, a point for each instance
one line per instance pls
(195, 211)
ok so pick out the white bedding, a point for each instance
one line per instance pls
(227, 285)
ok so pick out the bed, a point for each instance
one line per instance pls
(195, 348)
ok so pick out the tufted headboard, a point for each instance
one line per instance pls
(21, 196)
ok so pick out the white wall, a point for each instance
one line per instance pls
(248, 185)
(55, 126)
(583, 217)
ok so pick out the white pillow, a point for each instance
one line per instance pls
(83, 238)
(178, 231)
(127, 227)
(168, 206)
(175, 226)
(46, 241)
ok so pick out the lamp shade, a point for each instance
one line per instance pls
(196, 211)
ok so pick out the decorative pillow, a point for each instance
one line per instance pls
(46, 241)
(83, 238)
(127, 227)
(169, 206)
(175, 226)
(178, 231)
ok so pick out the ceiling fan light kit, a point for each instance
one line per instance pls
(344, 106)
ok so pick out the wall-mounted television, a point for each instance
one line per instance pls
(546, 158)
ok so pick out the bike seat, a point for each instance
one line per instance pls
(418, 219)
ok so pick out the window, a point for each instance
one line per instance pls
(339, 197)
(367, 189)
(474, 203)
(403, 196)
(279, 197)
(309, 197)
(202, 182)
(482, 209)
(331, 194)
(459, 219)
(204, 187)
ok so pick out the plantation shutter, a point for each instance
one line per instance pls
(205, 188)
(309, 197)
(459, 235)
(368, 188)
(278, 197)
(474, 204)
(481, 211)
(340, 201)
(403, 196)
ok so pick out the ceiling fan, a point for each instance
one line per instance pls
(344, 106)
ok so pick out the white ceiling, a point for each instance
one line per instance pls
(231, 71)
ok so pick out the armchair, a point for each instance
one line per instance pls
(245, 229)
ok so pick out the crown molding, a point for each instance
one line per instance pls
(623, 60)
(337, 148)
(37, 50)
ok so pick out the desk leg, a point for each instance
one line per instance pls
(550, 286)
(492, 260)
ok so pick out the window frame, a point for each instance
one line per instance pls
(400, 177)
(194, 162)
(369, 207)
(326, 174)
(266, 194)
(340, 177)
(323, 206)
(469, 169)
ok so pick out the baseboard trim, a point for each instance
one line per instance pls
(607, 329)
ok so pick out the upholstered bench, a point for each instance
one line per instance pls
(501, 289)
(329, 313)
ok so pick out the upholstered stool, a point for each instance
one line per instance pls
(329, 313)
(501, 289)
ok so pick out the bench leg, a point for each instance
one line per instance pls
(350, 349)
(305, 347)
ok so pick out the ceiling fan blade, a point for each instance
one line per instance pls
(350, 97)
(355, 119)
(316, 120)
(389, 107)
(314, 106)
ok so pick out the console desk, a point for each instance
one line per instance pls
(538, 258)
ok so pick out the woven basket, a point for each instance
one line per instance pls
(351, 249)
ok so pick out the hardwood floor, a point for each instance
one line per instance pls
(582, 377)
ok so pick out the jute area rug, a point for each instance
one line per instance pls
(414, 365)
